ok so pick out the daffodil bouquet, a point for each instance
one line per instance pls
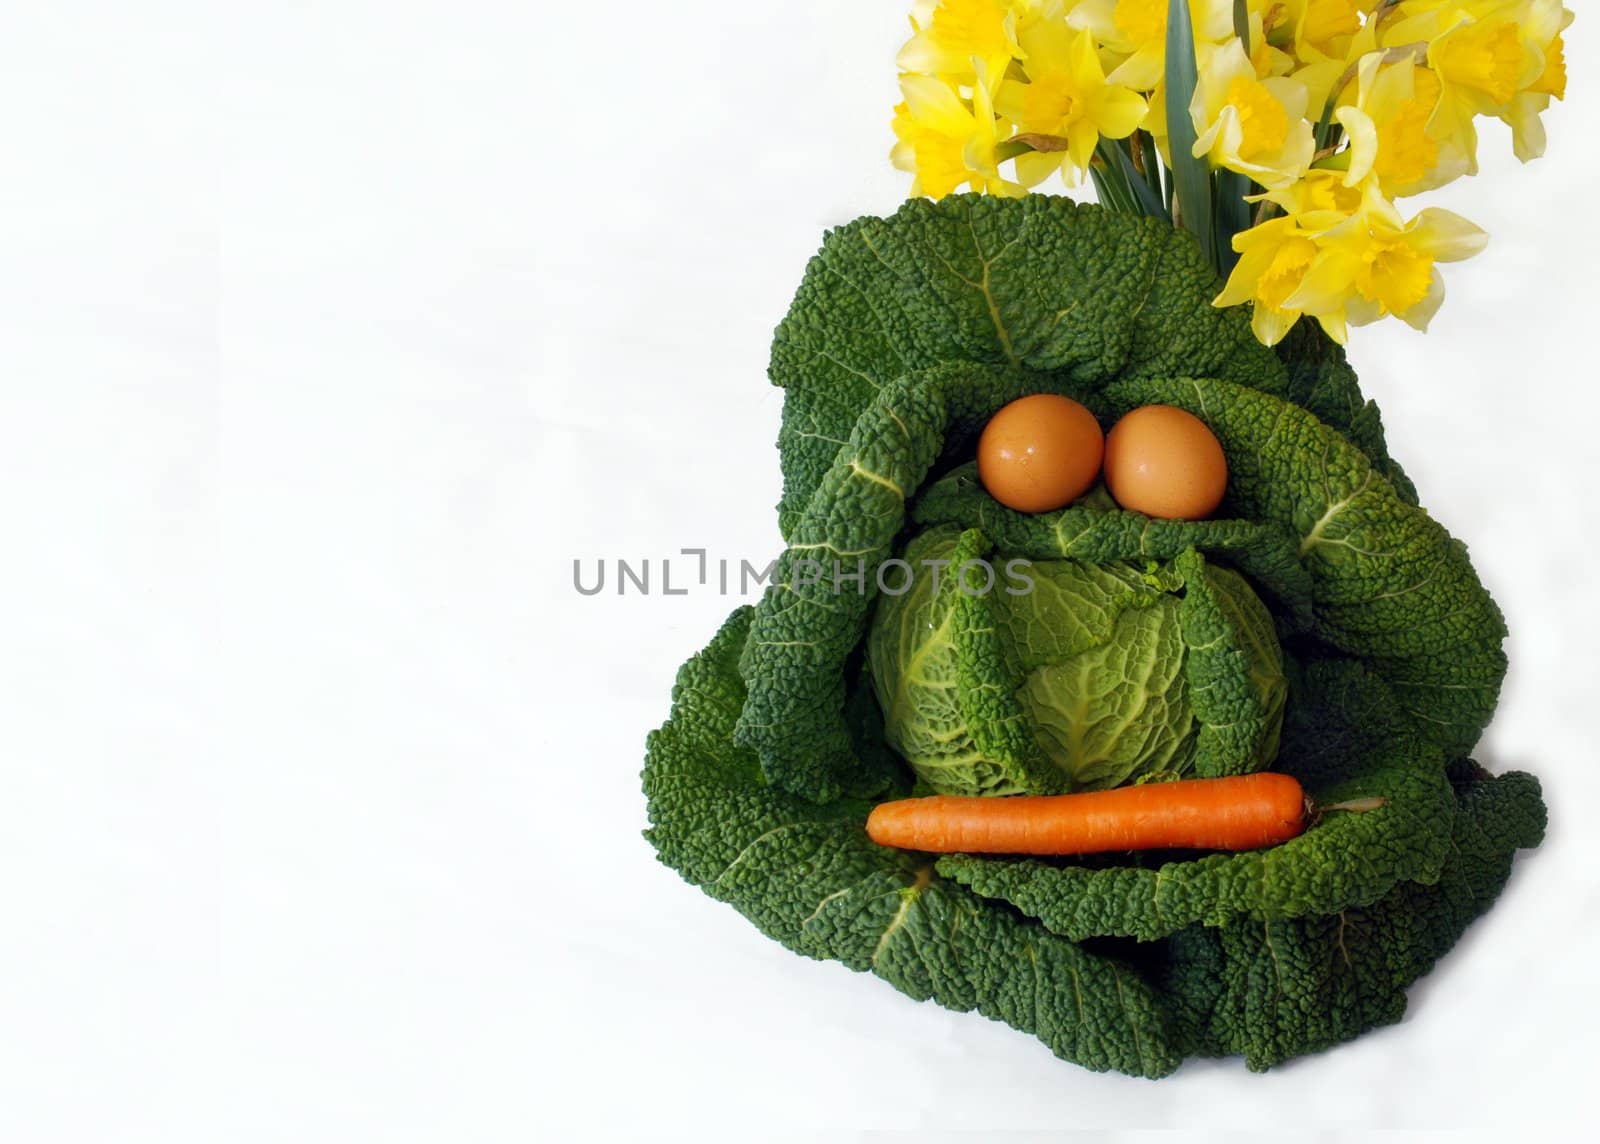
(1282, 133)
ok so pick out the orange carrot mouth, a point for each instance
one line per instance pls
(1241, 812)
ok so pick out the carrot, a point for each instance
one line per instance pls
(1244, 812)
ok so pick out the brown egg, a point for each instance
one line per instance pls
(1040, 453)
(1164, 462)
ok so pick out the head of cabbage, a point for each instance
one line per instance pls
(1064, 676)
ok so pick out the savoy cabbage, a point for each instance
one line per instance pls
(1087, 676)
(1323, 624)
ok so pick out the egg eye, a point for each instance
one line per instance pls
(1165, 462)
(1040, 453)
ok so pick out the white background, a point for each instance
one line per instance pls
(329, 337)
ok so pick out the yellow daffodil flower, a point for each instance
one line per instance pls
(1319, 202)
(950, 35)
(1135, 33)
(1066, 97)
(1387, 126)
(1257, 127)
(945, 142)
(1323, 37)
(1140, 34)
(1375, 264)
(1274, 256)
(1482, 62)
(1273, 260)
(1318, 29)
(1481, 56)
(1542, 37)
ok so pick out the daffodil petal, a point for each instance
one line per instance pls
(1010, 98)
(1422, 313)
(1363, 136)
(1241, 284)
(1271, 326)
(1118, 112)
(919, 53)
(1290, 93)
(1140, 71)
(1326, 285)
(1527, 129)
(1082, 59)
(1081, 141)
(935, 103)
(1446, 236)
(1335, 326)
(1384, 91)
(1360, 311)
(1034, 167)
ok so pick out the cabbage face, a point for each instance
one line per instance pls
(905, 336)
(1059, 675)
